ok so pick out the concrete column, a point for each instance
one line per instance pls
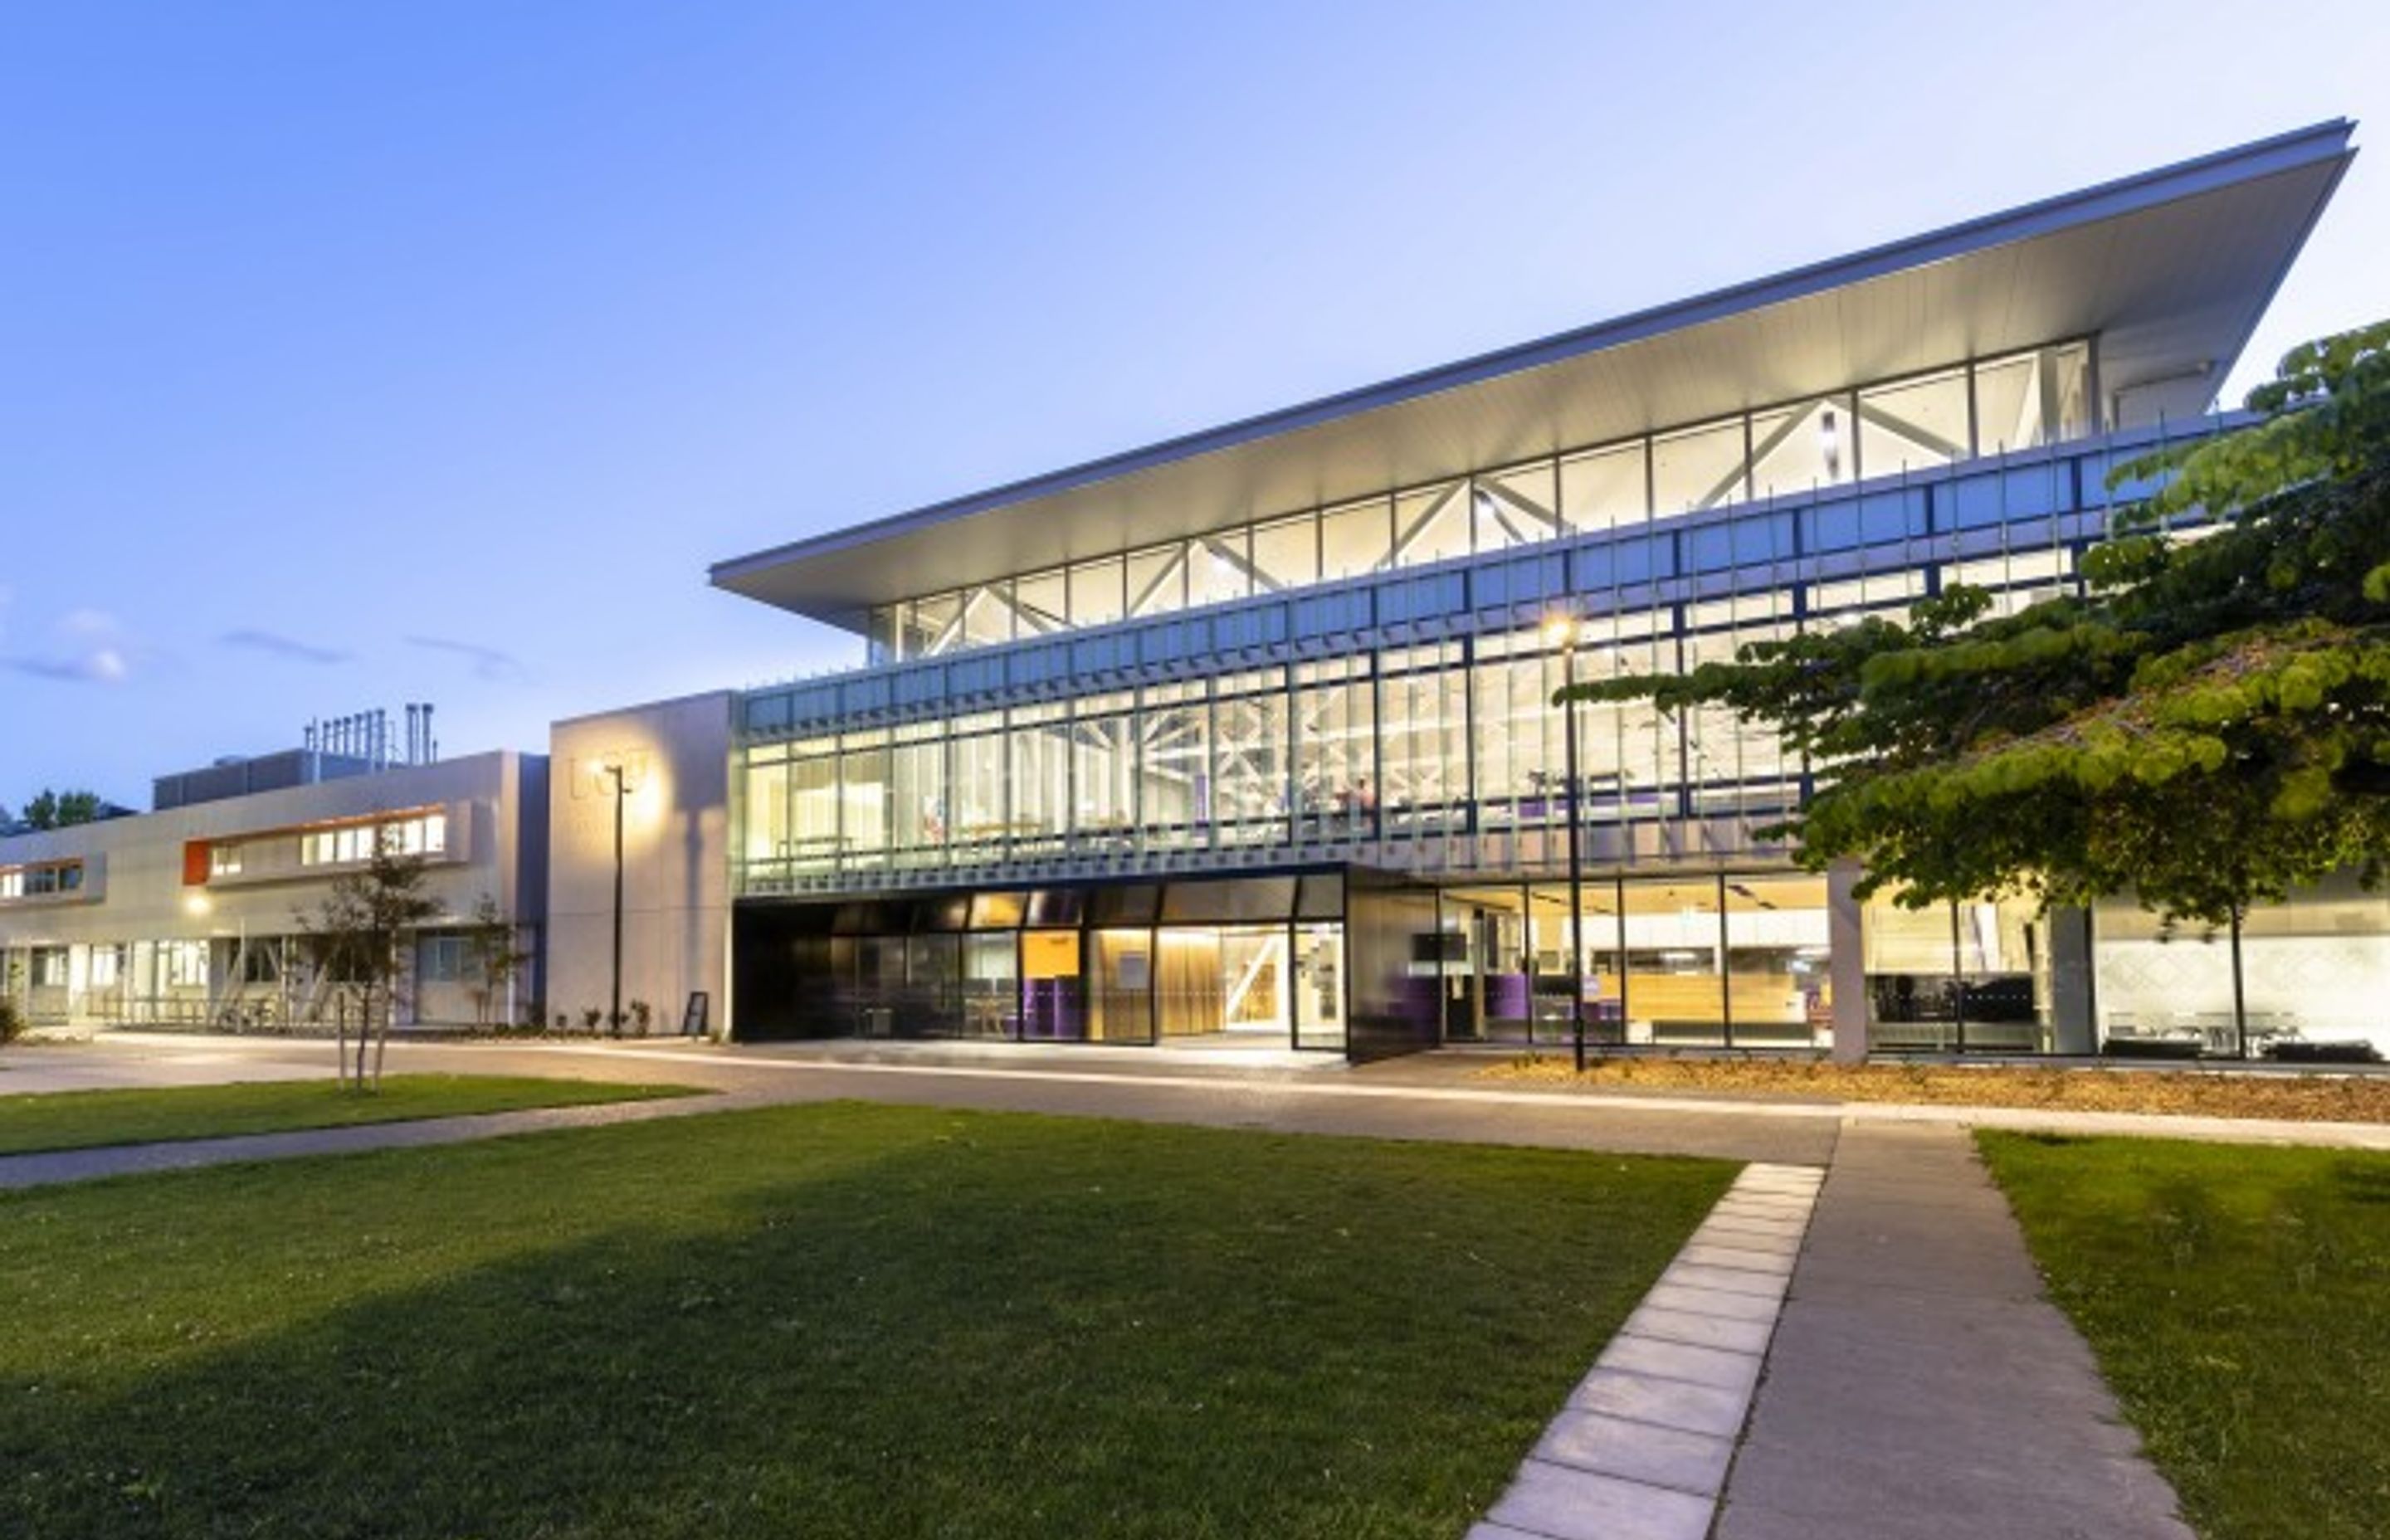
(1847, 966)
(2071, 1030)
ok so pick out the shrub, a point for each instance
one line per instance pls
(12, 1026)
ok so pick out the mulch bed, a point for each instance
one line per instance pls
(2202, 1093)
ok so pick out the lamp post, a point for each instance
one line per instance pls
(1563, 632)
(614, 995)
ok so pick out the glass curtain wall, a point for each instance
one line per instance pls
(1779, 991)
(2313, 972)
(2016, 401)
(1956, 977)
(1415, 744)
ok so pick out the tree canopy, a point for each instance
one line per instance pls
(53, 809)
(358, 934)
(2205, 724)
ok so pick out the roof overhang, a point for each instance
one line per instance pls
(2172, 269)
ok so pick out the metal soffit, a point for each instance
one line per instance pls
(2171, 268)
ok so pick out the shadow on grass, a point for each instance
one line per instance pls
(836, 1321)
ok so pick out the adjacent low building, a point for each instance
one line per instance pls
(190, 915)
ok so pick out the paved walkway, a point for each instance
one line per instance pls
(1920, 1384)
(1641, 1450)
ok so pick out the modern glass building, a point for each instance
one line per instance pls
(1250, 736)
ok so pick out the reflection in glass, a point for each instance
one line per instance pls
(1320, 985)
(991, 985)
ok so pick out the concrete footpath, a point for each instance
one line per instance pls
(1920, 1385)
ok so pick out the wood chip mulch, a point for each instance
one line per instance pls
(2316, 1097)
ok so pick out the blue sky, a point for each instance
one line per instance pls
(354, 354)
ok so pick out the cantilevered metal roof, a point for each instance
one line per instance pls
(2171, 268)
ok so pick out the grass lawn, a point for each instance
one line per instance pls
(2239, 1299)
(841, 1320)
(81, 1120)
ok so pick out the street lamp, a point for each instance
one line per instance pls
(614, 996)
(1563, 632)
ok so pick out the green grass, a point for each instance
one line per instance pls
(82, 1120)
(841, 1320)
(2239, 1300)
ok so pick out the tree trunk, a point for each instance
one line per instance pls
(341, 1037)
(381, 1038)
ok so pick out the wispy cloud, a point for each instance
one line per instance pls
(99, 665)
(488, 661)
(92, 650)
(288, 647)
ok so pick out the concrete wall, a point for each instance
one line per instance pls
(135, 887)
(675, 860)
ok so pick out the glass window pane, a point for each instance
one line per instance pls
(1914, 425)
(1043, 601)
(1494, 1003)
(1173, 774)
(1120, 1007)
(933, 626)
(1798, 448)
(1424, 750)
(1335, 798)
(1777, 956)
(1701, 468)
(1041, 788)
(1250, 752)
(1320, 986)
(1104, 775)
(766, 813)
(863, 793)
(1604, 489)
(991, 985)
(987, 615)
(1157, 580)
(2318, 967)
(1286, 553)
(1431, 525)
(1675, 984)
(1356, 538)
(1517, 506)
(1096, 597)
(1219, 568)
(2032, 398)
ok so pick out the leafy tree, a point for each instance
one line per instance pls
(358, 934)
(52, 809)
(2206, 725)
(494, 950)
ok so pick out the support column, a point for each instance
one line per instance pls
(1846, 965)
(2072, 1027)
